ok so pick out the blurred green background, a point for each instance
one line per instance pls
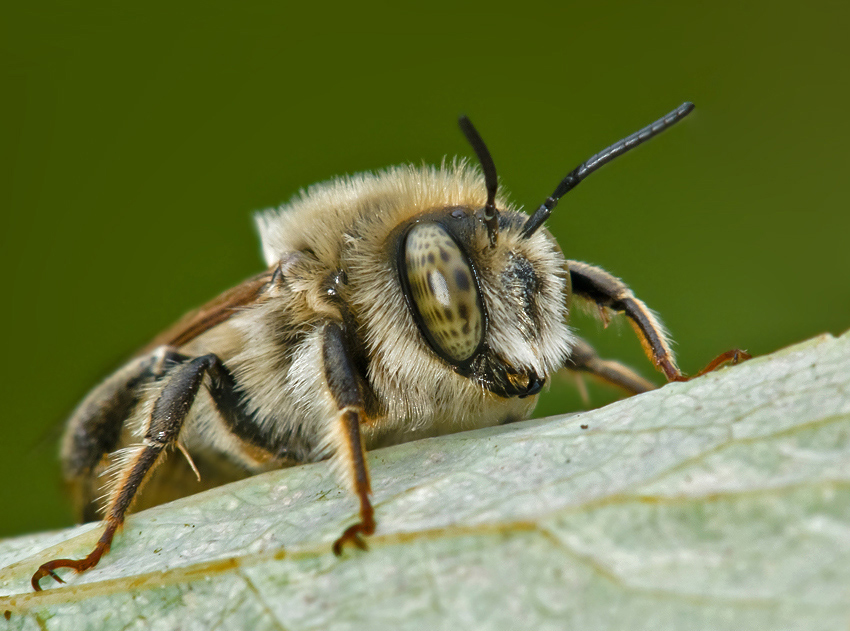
(137, 141)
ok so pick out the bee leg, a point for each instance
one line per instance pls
(735, 356)
(169, 412)
(95, 426)
(344, 386)
(607, 291)
(583, 358)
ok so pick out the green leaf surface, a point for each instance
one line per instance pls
(721, 503)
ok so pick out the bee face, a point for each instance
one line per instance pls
(496, 314)
(406, 303)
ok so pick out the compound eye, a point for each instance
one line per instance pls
(443, 291)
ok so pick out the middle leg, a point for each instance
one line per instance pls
(583, 358)
(166, 420)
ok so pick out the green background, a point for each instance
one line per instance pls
(136, 142)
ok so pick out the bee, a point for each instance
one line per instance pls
(396, 305)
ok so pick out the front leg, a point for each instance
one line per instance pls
(346, 392)
(609, 292)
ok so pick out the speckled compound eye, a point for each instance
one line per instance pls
(443, 290)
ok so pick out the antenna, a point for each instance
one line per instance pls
(605, 156)
(491, 215)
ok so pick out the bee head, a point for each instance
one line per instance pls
(488, 289)
(488, 300)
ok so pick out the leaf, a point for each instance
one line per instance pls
(721, 503)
